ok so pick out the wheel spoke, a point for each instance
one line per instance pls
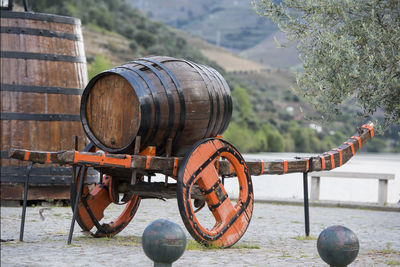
(215, 194)
(91, 206)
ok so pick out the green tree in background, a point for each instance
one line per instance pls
(99, 64)
(242, 104)
(349, 49)
(245, 130)
(275, 140)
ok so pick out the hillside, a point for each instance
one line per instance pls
(230, 24)
(113, 46)
(274, 51)
(228, 60)
(116, 47)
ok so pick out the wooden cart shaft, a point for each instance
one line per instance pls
(169, 165)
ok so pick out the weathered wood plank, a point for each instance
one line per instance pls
(16, 192)
(157, 190)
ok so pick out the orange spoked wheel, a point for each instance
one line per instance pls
(98, 198)
(199, 168)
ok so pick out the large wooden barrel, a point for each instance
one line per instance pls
(156, 98)
(43, 73)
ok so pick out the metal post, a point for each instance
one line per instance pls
(78, 196)
(306, 207)
(168, 154)
(136, 151)
(26, 6)
(74, 166)
(21, 231)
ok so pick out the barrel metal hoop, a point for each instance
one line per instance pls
(228, 98)
(210, 96)
(40, 32)
(206, 70)
(170, 101)
(40, 16)
(144, 107)
(41, 56)
(40, 89)
(39, 117)
(155, 100)
(85, 125)
(224, 97)
(143, 98)
(182, 114)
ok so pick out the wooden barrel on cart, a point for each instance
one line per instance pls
(43, 73)
(156, 98)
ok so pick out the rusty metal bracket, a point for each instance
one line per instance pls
(221, 198)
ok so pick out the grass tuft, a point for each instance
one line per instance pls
(304, 238)
(392, 262)
(388, 250)
(193, 245)
(115, 240)
(246, 246)
(285, 254)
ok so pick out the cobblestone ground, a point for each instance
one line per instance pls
(275, 237)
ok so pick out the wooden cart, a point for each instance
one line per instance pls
(194, 156)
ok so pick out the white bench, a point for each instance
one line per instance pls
(382, 177)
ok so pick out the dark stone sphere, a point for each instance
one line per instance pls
(338, 245)
(163, 241)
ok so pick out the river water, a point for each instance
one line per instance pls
(290, 186)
